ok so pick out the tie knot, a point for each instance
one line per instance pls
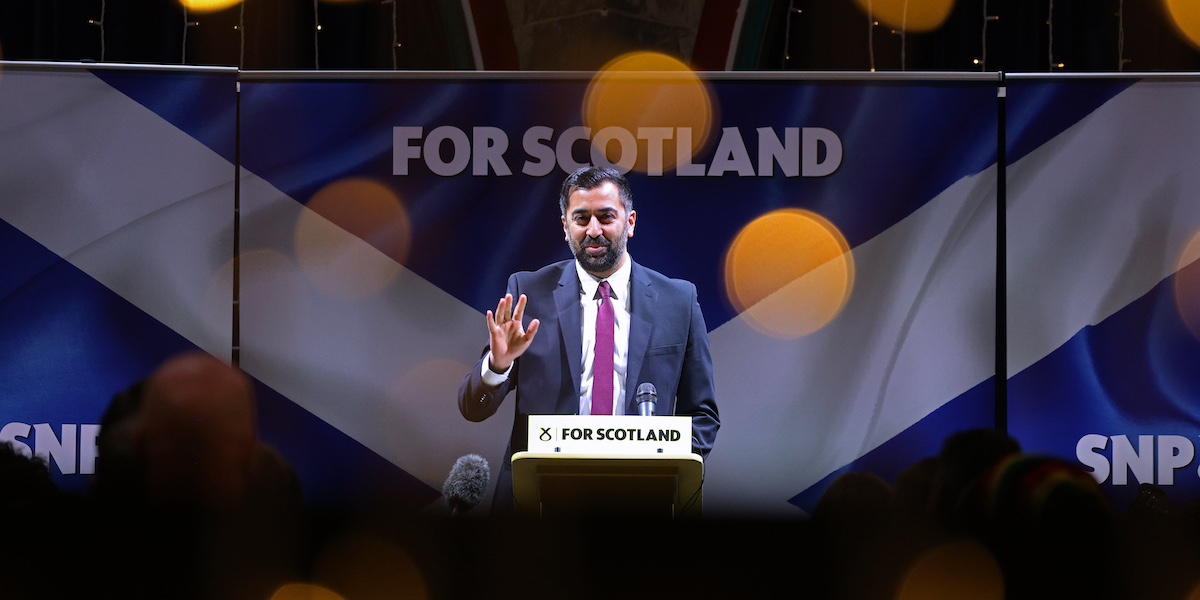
(604, 291)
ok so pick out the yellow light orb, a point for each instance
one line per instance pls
(337, 263)
(1185, 17)
(304, 591)
(951, 571)
(656, 99)
(361, 565)
(208, 6)
(789, 272)
(912, 16)
(1187, 285)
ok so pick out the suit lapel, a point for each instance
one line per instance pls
(570, 326)
(643, 299)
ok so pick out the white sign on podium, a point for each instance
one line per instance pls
(608, 465)
(598, 435)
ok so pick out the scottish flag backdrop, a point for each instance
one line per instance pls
(381, 215)
(116, 232)
(376, 217)
(1103, 296)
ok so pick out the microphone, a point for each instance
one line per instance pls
(466, 483)
(647, 397)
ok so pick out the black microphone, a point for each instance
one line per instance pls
(466, 484)
(647, 397)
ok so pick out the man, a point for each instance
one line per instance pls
(187, 491)
(543, 333)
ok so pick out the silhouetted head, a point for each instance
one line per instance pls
(196, 432)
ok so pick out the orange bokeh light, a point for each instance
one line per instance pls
(911, 16)
(304, 591)
(360, 565)
(656, 99)
(1185, 17)
(338, 264)
(208, 6)
(959, 569)
(789, 272)
(1187, 285)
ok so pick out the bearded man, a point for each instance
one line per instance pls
(581, 335)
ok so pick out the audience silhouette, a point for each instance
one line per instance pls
(184, 486)
(187, 502)
(1041, 524)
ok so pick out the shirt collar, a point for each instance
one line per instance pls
(618, 281)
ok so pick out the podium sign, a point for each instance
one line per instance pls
(608, 465)
(592, 435)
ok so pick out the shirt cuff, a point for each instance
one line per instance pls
(491, 377)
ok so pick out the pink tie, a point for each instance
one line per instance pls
(602, 361)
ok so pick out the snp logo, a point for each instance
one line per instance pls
(1154, 460)
(73, 450)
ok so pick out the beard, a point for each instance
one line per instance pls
(603, 262)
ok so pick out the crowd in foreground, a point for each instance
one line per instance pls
(187, 502)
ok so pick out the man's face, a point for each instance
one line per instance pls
(597, 227)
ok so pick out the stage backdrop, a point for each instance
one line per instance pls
(841, 231)
(116, 242)
(1103, 288)
(381, 215)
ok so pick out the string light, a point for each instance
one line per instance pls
(186, 24)
(982, 61)
(395, 36)
(316, 37)
(1050, 36)
(871, 24)
(787, 32)
(1121, 35)
(100, 23)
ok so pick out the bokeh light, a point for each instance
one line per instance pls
(1185, 18)
(912, 16)
(305, 591)
(1187, 285)
(427, 379)
(654, 101)
(952, 571)
(366, 567)
(208, 6)
(337, 264)
(789, 272)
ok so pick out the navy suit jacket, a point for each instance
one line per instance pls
(668, 347)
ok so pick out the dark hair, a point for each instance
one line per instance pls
(24, 480)
(588, 178)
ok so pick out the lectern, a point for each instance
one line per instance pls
(583, 466)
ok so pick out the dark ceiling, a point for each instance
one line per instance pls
(793, 35)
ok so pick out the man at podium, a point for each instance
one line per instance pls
(581, 335)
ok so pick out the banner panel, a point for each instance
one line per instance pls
(381, 216)
(116, 229)
(1103, 237)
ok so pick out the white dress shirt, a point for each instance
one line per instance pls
(619, 282)
(589, 304)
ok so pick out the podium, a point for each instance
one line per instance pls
(596, 466)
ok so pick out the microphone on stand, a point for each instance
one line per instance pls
(467, 482)
(647, 398)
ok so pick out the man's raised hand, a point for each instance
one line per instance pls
(508, 338)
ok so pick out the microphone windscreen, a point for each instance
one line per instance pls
(467, 482)
(647, 388)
